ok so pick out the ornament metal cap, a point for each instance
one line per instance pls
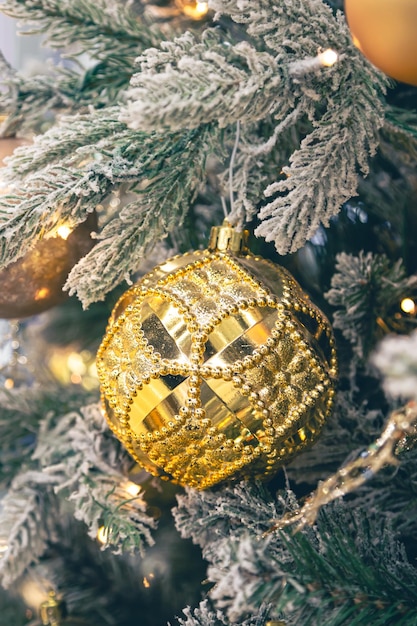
(50, 611)
(225, 238)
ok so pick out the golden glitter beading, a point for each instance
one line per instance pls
(216, 364)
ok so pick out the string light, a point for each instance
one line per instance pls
(102, 535)
(63, 232)
(194, 10)
(301, 67)
(146, 581)
(408, 306)
(328, 57)
(131, 488)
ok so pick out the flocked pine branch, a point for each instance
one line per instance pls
(21, 411)
(349, 569)
(25, 526)
(88, 467)
(111, 35)
(164, 171)
(205, 615)
(105, 31)
(366, 289)
(189, 82)
(77, 459)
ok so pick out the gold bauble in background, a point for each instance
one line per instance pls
(386, 33)
(216, 364)
(52, 613)
(34, 283)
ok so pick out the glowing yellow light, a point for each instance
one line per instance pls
(8, 384)
(3, 547)
(42, 293)
(195, 10)
(132, 488)
(102, 534)
(146, 581)
(76, 364)
(408, 306)
(328, 57)
(63, 232)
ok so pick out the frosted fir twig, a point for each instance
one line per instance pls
(71, 141)
(206, 615)
(112, 36)
(86, 465)
(354, 474)
(24, 535)
(364, 288)
(189, 82)
(321, 574)
(159, 209)
(104, 31)
(164, 171)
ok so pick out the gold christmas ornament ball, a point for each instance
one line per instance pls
(386, 33)
(216, 365)
(34, 283)
(52, 612)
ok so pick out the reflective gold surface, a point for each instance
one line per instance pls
(216, 365)
(34, 282)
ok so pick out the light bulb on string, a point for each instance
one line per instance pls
(324, 59)
(328, 58)
(102, 535)
(408, 306)
(193, 9)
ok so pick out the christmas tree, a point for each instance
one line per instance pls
(157, 120)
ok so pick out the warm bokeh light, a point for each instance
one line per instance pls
(328, 58)
(102, 535)
(63, 231)
(408, 306)
(192, 9)
(147, 580)
(132, 488)
(42, 293)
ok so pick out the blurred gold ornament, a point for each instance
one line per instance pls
(193, 9)
(216, 364)
(52, 613)
(34, 282)
(385, 32)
